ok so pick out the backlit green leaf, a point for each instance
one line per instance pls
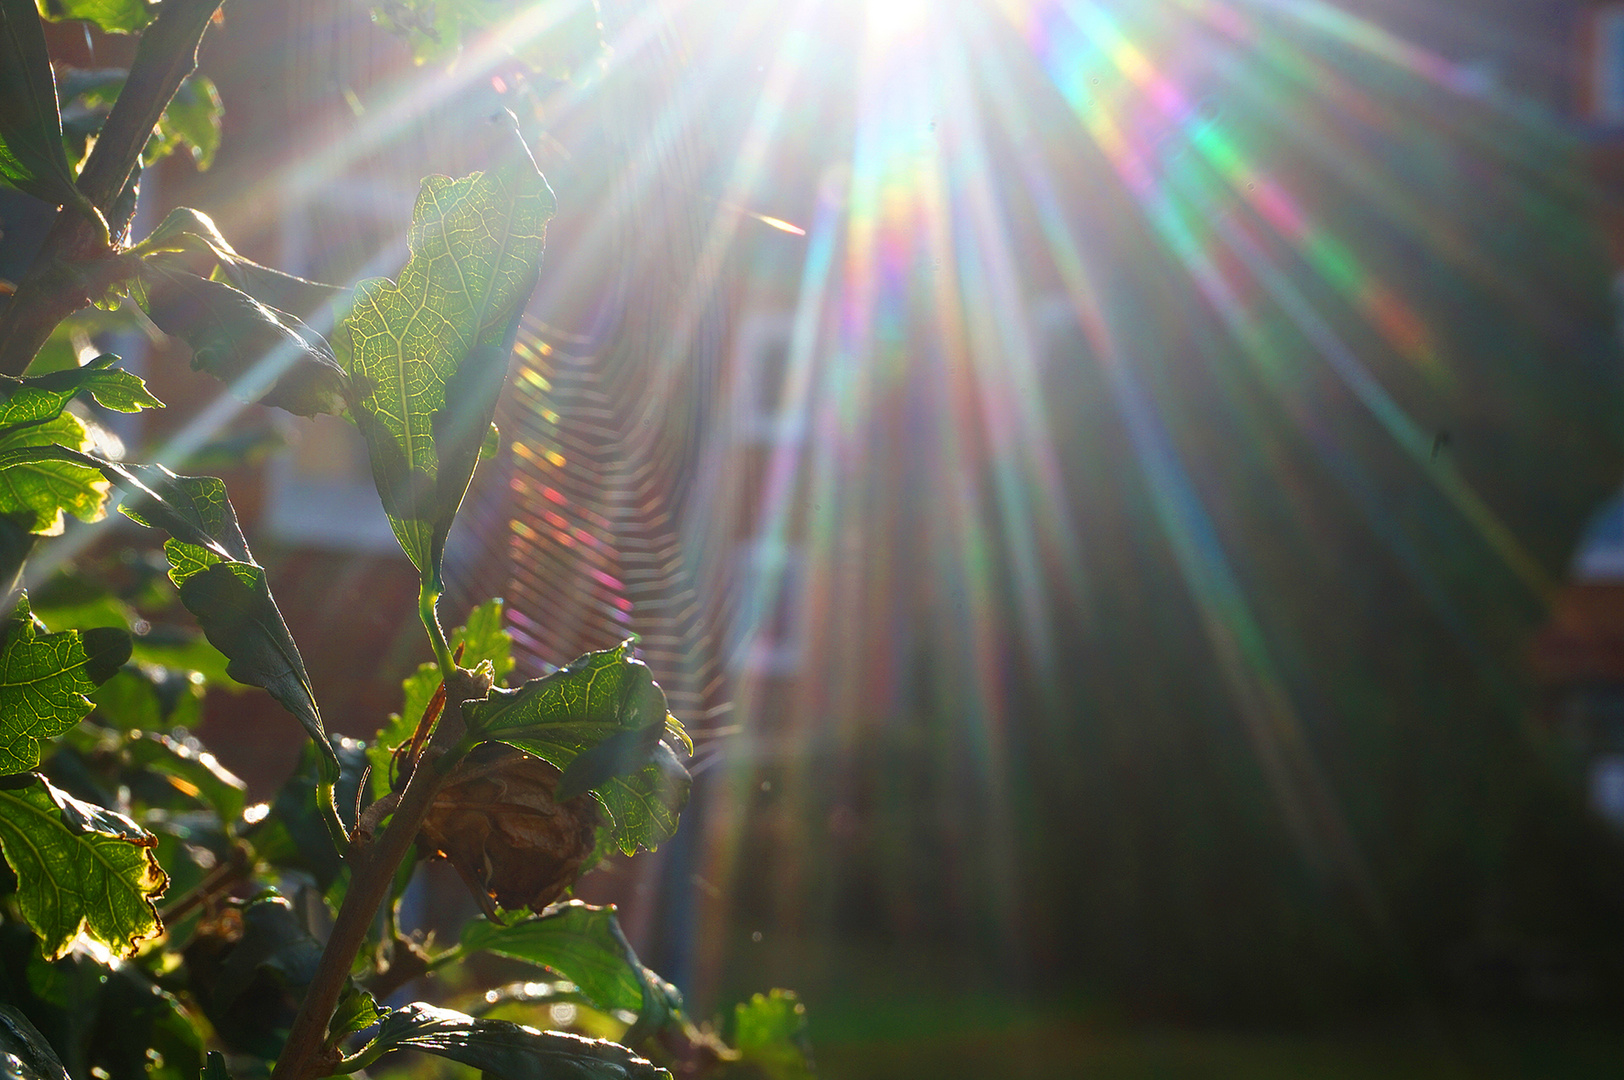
(44, 682)
(114, 16)
(419, 688)
(427, 354)
(644, 805)
(507, 1050)
(571, 40)
(357, 1010)
(770, 1033)
(193, 234)
(601, 699)
(583, 944)
(264, 355)
(31, 153)
(40, 491)
(219, 581)
(484, 638)
(80, 868)
(222, 585)
(192, 119)
(38, 398)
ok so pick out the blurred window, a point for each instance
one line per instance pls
(1601, 549)
(1605, 75)
(761, 371)
(767, 628)
(1607, 788)
(321, 491)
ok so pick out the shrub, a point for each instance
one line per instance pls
(521, 788)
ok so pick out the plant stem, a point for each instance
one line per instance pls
(428, 595)
(61, 280)
(372, 872)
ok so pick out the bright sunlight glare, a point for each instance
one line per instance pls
(892, 22)
(1061, 341)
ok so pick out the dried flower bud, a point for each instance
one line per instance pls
(496, 822)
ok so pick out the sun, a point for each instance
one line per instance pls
(894, 22)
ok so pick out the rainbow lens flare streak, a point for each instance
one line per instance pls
(922, 473)
(917, 362)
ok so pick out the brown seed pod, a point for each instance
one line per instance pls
(496, 822)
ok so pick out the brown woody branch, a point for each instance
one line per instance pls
(72, 267)
(306, 1054)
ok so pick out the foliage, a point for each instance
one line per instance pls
(278, 936)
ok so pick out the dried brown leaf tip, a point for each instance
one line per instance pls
(496, 822)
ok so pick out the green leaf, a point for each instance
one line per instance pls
(127, 1016)
(427, 355)
(645, 805)
(186, 652)
(144, 696)
(602, 698)
(585, 945)
(274, 941)
(128, 702)
(72, 343)
(44, 682)
(36, 399)
(29, 1056)
(214, 1067)
(438, 29)
(223, 587)
(266, 356)
(251, 993)
(31, 153)
(80, 868)
(219, 581)
(192, 119)
(193, 233)
(357, 1010)
(113, 16)
(40, 491)
(233, 605)
(484, 638)
(397, 731)
(507, 1050)
(208, 781)
(770, 1033)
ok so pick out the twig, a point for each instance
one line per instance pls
(206, 891)
(305, 1055)
(63, 278)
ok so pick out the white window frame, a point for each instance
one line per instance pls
(754, 421)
